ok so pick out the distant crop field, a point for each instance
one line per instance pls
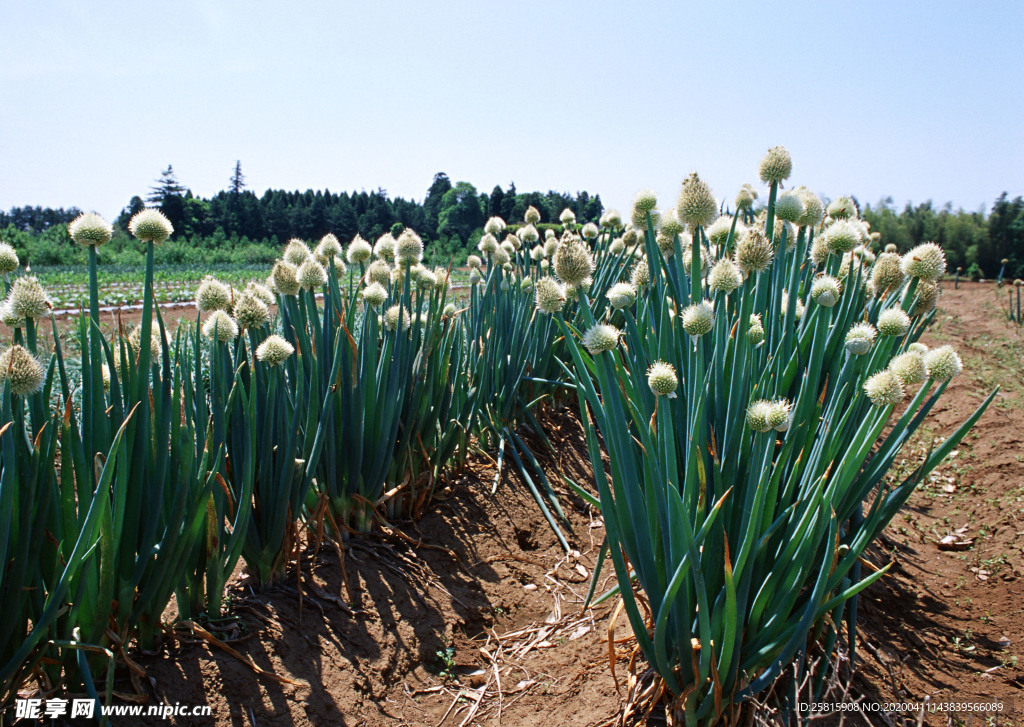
(122, 285)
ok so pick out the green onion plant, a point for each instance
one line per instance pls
(745, 425)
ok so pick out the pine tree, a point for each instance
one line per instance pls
(237, 179)
(166, 186)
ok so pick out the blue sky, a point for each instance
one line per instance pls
(915, 100)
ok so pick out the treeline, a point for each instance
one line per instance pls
(236, 225)
(976, 242)
(37, 219)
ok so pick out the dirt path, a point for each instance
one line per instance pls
(949, 621)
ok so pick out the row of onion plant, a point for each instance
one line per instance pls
(120, 477)
(741, 382)
(150, 466)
